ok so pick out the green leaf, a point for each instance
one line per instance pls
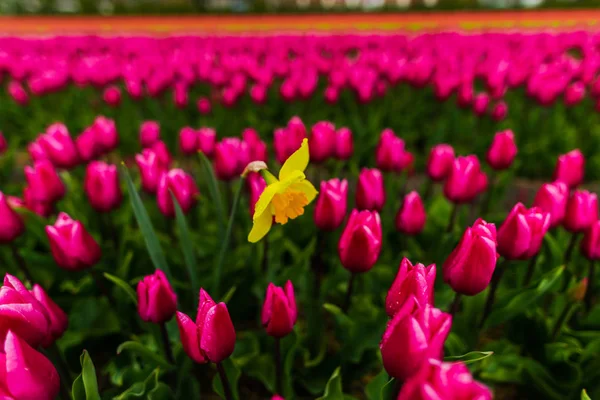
(186, 246)
(141, 350)
(340, 317)
(471, 357)
(333, 390)
(584, 395)
(374, 388)
(78, 391)
(123, 285)
(389, 389)
(233, 376)
(143, 219)
(215, 194)
(88, 374)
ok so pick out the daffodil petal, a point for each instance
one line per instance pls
(296, 162)
(265, 200)
(261, 227)
(307, 188)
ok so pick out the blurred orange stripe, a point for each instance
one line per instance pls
(559, 19)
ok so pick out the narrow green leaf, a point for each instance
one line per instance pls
(333, 390)
(88, 373)
(373, 388)
(584, 395)
(214, 191)
(78, 391)
(233, 376)
(145, 353)
(123, 285)
(143, 219)
(470, 357)
(229, 294)
(186, 246)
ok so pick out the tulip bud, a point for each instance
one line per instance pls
(258, 94)
(43, 182)
(439, 163)
(41, 208)
(582, 211)
(231, 157)
(574, 93)
(552, 198)
(330, 209)
(3, 144)
(370, 190)
(520, 236)
(279, 310)
(502, 151)
(331, 94)
(257, 148)
(277, 397)
(288, 140)
(188, 140)
(442, 380)
(18, 94)
(590, 245)
(157, 302)
(256, 185)
(180, 95)
(182, 186)
(106, 135)
(410, 280)
(212, 337)
(149, 133)
(57, 318)
(469, 268)
(412, 337)
(207, 138)
(577, 292)
(11, 224)
(73, 248)
(204, 107)
(570, 168)
(322, 141)
(480, 104)
(27, 373)
(101, 186)
(360, 243)
(59, 147)
(112, 96)
(162, 152)
(411, 216)
(465, 180)
(87, 145)
(344, 146)
(389, 152)
(499, 111)
(151, 169)
(36, 151)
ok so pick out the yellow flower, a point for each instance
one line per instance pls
(283, 198)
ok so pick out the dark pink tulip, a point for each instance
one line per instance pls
(321, 141)
(570, 168)
(157, 302)
(149, 133)
(411, 216)
(232, 155)
(288, 140)
(574, 93)
(258, 94)
(87, 144)
(204, 106)
(112, 96)
(481, 102)
(499, 111)
(11, 224)
(552, 198)
(151, 169)
(502, 151)
(465, 180)
(410, 280)
(469, 268)
(370, 190)
(188, 140)
(57, 319)
(36, 151)
(465, 95)
(582, 211)
(207, 139)
(256, 147)
(439, 163)
(212, 336)
(162, 152)
(106, 134)
(180, 96)
(43, 182)
(344, 146)
(3, 144)
(134, 88)
(256, 185)
(330, 209)
(59, 146)
(412, 337)
(590, 245)
(73, 248)
(521, 234)
(390, 151)
(279, 312)
(41, 208)
(101, 186)
(332, 94)
(182, 186)
(18, 94)
(360, 243)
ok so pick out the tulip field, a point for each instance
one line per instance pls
(322, 216)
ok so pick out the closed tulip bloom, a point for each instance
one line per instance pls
(18, 94)
(412, 337)
(149, 133)
(411, 216)
(212, 336)
(439, 163)
(59, 146)
(417, 281)
(552, 198)
(112, 96)
(574, 93)
(207, 139)
(570, 168)
(389, 152)
(499, 111)
(322, 141)
(256, 185)
(73, 248)
(331, 206)
(502, 151)
(279, 310)
(36, 151)
(87, 144)
(151, 169)
(162, 152)
(520, 236)
(464, 182)
(590, 245)
(27, 374)
(370, 190)
(232, 155)
(288, 140)
(43, 182)
(57, 319)
(11, 224)
(360, 243)
(257, 148)
(180, 96)
(443, 380)
(182, 186)
(3, 144)
(157, 302)
(582, 211)
(344, 146)
(41, 208)
(203, 105)
(469, 268)
(106, 134)
(480, 104)
(188, 140)
(102, 187)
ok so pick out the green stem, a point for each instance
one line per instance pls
(561, 320)
(278, 369)
(500, 268)
(455, 304)
(590, 288)
(530, 270)
(224, 382)
(167, 343)
(452, 217)
(348, 298)
(21, 261)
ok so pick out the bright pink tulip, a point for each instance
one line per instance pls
(570, 168)
(256, 147)
(464, 182)
(157, 302)
(344, 146)
(502, 151)
(112, 96)
(590, 245)
(149, 133)
(390, 152)
(87, 144)
(212, 336)
(43, 182)
(521, 234)
(552, 198)
(41, 208)
(182, 186)
(204, 106)
(279, 310)
(59, 146)
(331, 206)
(18, 94)
(57, 319)
(106, 135)
(499, 111)
(411, 216)
(288, 140)
(439, 163)
(180, 96)
(469, 268)
(232, 155)
(574, 93)
(410, 280)
(360, 243)
(73, 248)
(188, 140)
(36, 151)
(162, 152)
(412, 337)
(480, 104)
(370, 190)
(151, 169)
(207, 139)
(102, 187)
(322, 141)
(256, 185)
(11, 224)
(582, 211)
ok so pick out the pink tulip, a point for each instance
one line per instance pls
(256, 185)
(360, 243)
(207, 139)
(43, 182)
(410, 280)
(3, 144)
(157, 302)
(344, 146)
(590, 245)
(439, 163)
(59, 147)
(411, 216)
(112, 96)
(149, 133)
(465, 180)
(522, 233)
(480, 104)
(502, 151)
(322, 141)
(499, 111)
(232, 155)
(552, 198)
(257, 149)
(390, 152)
(73, 248)
(57, 319)
(11, 224)
(279, 312)
(370, 190)
(18, 94)
(188, 140)
(582, 211)
(182, 186)
(289, 139)
(570, 168)
(102, 187)
(330, 209)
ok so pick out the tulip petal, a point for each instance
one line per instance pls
(188, 333)
(261, 226)
(218, 335)
(298, 161)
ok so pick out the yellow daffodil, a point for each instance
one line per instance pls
(283, 198)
